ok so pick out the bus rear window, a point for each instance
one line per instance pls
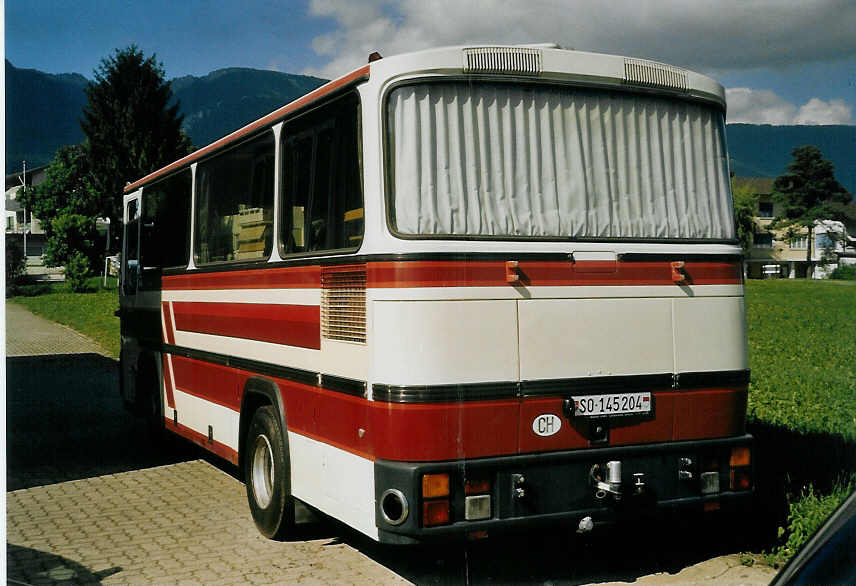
(498, 160)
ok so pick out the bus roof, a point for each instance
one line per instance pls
(546, 61)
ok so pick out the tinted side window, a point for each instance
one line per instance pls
(165, 237)
(234, 203)
(321, 185)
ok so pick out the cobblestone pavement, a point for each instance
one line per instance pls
(30, 335)
(185, 523)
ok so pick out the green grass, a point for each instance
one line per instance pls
(802, 352)
(89, 313)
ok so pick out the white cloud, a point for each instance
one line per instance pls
(727, 35)
(816, 111)
(754, 106)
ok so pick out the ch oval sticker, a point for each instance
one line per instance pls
(546, 424)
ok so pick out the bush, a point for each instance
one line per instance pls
(33, 290)
(16, 263)
(844, 272)
(806, 516)
(77, 271)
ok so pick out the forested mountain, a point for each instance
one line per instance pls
(43, 110)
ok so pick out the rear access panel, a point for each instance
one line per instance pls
(570, 338)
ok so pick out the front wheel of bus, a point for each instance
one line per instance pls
(266, 472)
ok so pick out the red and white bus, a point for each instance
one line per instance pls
(454, 292)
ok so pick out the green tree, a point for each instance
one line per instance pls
(66, 205)
(131, 124)
(16, 264)
(745, 210)
(808, 192)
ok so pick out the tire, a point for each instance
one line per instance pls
(267, 475)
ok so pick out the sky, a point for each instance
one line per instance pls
(781, 61)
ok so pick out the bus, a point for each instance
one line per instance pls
(453, 293)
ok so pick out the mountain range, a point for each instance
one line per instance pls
(43, 112)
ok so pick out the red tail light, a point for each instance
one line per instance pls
(435, 512)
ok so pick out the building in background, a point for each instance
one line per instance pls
(774, 255)
(21, 226)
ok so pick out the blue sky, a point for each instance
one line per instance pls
(782, 61)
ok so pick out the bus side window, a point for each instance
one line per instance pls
(321, 184)
(234, 203)
(165, 228)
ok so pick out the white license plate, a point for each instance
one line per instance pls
(613, 404)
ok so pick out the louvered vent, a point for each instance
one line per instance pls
(343, 303)
(651, 74)
(513, 60)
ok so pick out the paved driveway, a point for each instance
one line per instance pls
(92, 502)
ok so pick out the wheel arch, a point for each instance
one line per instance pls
(259, 392)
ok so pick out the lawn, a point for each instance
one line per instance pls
(802, 352)
(91, 313)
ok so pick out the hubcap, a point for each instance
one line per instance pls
(263, 472)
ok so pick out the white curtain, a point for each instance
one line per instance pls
(486, 159)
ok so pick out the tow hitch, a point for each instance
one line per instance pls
(606, 481)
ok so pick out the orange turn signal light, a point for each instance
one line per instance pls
(740, 456)
(435, 513)
(435, 485)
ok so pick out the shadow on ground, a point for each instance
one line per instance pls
(26, 566)
(65, 421)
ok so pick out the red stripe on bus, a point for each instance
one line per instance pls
(357, 76)
(168, 325)
(167, 382)
(539, 273)
(263, 278)
(216, 447)
(213, 382)
(460, 430)
(290, 325)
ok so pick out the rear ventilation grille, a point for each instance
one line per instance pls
(651, 74)
(512, 60)
(343, 303)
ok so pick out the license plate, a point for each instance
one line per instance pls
(612, 404)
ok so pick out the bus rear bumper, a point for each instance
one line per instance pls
(426, 501)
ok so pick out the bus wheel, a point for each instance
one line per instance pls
(266, 472)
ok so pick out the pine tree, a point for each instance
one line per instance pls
(131, 125)
(807, 193)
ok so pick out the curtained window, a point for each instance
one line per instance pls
(511, 160)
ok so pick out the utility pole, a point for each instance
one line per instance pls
(25, 210)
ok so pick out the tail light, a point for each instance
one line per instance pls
(436, 508)
(740, 465)
(435, 512)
